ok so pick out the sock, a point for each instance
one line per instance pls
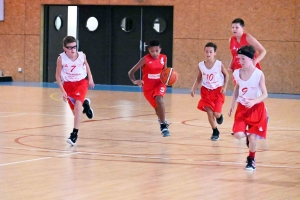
(252, 154)
(75, 131)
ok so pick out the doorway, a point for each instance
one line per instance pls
(114, 38)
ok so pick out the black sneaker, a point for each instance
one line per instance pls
(72, 139)
(166, 122)
(220, 119)
(165, 130)
(87, 108)
(215, 135)
(250, 164)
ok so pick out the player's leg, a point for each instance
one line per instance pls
(211, 119)
(218, 104)
(252, 150)
(77, 112)
(160, 110)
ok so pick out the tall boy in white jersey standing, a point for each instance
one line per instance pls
(249, 92)
(71, 72)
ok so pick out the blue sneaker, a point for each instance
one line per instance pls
(165, 130)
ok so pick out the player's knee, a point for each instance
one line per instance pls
(159, 99)
(239, 135)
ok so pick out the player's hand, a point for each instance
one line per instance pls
(229, 68)
(138, 82)
(230, 112)
(250, 103)
(65, 96)
(91, 83)
(223, 90)
(192, 93)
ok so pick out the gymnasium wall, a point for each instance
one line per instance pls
(275, 23)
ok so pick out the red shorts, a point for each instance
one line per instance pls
(151, 91)
(255, 118)
(76, 91)
(214, 99)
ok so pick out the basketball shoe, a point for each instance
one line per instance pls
(87, 108)
(165, 130)
(250, 164)
(215, 135)
(220, 119)
(72, 139)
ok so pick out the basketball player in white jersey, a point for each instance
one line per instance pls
(74, 76)
(214, 79)
(249, 92)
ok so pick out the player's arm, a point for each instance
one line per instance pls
(264, 94)
(262, 85)
(226, 78)
(166, 63)
(196, 83)
(58, 77)
(230, 64)
(258, 47)
(234, 98)
(89, 73)
(131, 72)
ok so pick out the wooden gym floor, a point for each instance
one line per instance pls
(120, 153)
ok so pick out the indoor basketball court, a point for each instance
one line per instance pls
(121, 154)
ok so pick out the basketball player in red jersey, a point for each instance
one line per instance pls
(154, 90)
(239, 39)
(72, 69)
(214, 79)
(250, 91)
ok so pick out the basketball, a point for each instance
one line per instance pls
(168, 76)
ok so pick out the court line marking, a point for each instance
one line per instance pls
(224, 163)
(36, 159)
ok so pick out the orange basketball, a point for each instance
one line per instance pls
(168, 76)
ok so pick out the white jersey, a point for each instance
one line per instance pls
(73, 71)
(212, 78)
(250, 88)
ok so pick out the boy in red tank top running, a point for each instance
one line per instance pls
(239, 39)
(154, 90)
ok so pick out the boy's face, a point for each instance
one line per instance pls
(70, 48)
(244, 60)
(237, 29)
(154, 51)
(209, 52)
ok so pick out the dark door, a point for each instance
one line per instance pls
(126, 34)
(56, 20)
(96, 43)
(118, 43)
(158, 24)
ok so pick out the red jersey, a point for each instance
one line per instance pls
(151, 70)
(234, 47)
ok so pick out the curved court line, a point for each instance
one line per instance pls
(52, 96)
